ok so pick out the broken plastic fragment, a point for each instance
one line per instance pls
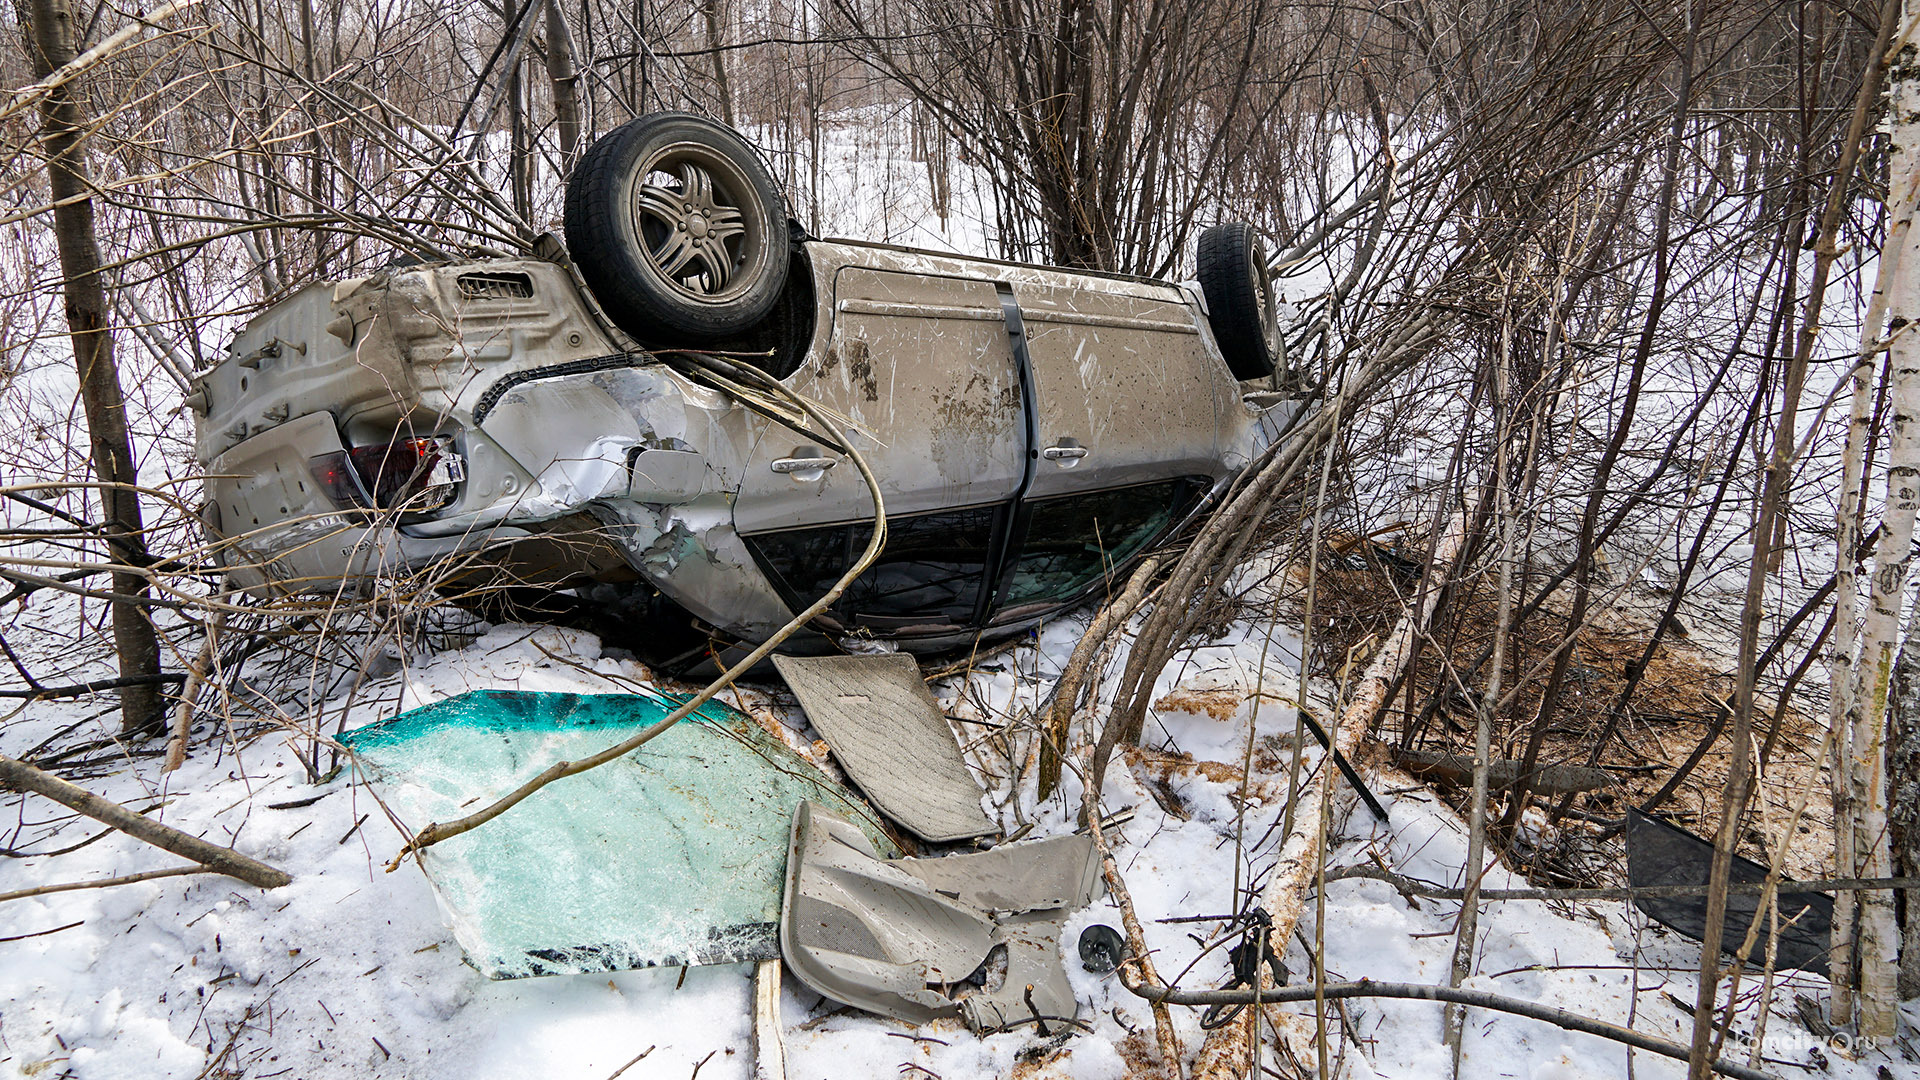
(887, 730)
(970, 936)
(1661, 853)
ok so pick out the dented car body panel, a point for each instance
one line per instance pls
(1032, 430)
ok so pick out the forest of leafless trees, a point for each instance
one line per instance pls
(1589, 299)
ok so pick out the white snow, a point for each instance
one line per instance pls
(351, 972)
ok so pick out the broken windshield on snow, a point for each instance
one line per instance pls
(669, 855)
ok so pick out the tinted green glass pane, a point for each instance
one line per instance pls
(673, 854)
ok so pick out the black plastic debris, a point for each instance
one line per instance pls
(1101, 948)
(1660, 853)
(1256, 944)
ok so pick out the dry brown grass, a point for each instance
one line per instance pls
(1687, 681)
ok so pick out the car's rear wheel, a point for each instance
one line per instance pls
(1232, 264)
(677, 228)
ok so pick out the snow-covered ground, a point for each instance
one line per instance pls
(351, 972)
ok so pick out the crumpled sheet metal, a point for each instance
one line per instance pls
(669, 856)
(889, 733)
(928, 939)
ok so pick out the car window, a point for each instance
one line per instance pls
(931, 571)
(1073, 540)
(803, 563)
(935, 565)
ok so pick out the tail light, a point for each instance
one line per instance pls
(412, 475)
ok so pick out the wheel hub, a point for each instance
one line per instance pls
(692, 230)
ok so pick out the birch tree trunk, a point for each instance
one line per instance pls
(1903, 805)
(1226, 1054)
(49, 29)
(1876, 955)
(1846, 630)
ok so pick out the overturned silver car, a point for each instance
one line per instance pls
(550, 423)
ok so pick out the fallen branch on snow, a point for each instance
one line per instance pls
(1479, 999)
(20, 776)
(103, 883)
(1432, 891)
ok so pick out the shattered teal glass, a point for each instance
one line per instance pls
(672, 855)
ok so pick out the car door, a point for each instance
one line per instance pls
(920, 371)
(1125, 388)
(1131, 408)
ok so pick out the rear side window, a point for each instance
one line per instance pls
(1074, 541)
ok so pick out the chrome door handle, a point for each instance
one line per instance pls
(1064, 453)
(803, 464)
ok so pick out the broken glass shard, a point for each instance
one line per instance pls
(672, 855)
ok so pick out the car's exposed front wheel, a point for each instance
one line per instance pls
(677, 228)
(1232, 264)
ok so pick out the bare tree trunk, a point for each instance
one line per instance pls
(316, 145)
(1865, 768)
(1861, 818)
(1847, 549)
(520, 144)
(1878, 999)
(565, 78)
(1903, 801)
(816, 104)
(716, 36)
(1466, 930)
(50, 42)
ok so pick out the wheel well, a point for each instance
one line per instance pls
(778, 344)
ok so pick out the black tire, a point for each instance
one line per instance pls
(1240, 307)
(677, 229)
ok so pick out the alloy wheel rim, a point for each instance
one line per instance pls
(695, 215)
